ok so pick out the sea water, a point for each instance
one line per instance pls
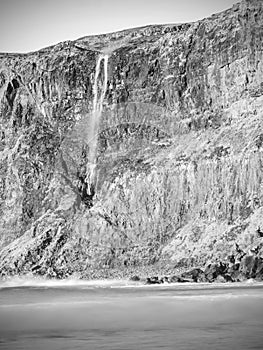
(46, 314)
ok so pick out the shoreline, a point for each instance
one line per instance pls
(35, 282)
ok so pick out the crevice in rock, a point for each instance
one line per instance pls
(83, 187)
(11, 92)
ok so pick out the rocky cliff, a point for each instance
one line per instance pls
(178, 149)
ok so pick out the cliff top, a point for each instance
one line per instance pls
(121, 38)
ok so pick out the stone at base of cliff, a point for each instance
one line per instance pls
(195, 275)
(212, 271)
(251, 267)
(165, 279)
(259, 272)
(174, 279)
(153, 280)
(134, 278)
(223, 279)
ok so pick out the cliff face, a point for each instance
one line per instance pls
(178, 178)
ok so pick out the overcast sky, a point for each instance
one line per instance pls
(27, 25)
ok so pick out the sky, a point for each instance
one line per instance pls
(28, 25)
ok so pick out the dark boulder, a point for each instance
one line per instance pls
(259, 271)
(195, 275)
(134, 278)
(233, 268)
(212, 271)
(228, 278)
(249, 265)
(234, 273)
(174, 279)
(164, 279)
(152, 280)
(178, 279)
(260, 230)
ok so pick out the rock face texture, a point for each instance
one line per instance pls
(179, 150)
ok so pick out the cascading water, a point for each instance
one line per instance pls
(99, 95)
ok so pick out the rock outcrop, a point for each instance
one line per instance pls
(179, 158)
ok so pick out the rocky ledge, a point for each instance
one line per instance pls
(246, 267)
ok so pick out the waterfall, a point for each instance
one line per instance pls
(98, 97)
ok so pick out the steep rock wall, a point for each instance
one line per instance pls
(179, 170)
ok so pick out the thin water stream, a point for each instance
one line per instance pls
(99, 93)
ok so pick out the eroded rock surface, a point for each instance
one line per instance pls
(179, 159)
